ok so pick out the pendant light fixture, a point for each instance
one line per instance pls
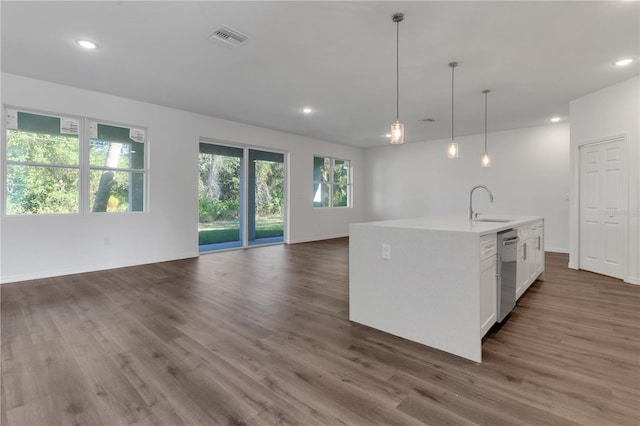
(486, 159)
(452, 148)
(397, 128)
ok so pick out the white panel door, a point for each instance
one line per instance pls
(603, 204)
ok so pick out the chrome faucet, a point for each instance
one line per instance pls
(471, 212)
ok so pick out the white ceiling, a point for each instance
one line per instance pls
(337, 57)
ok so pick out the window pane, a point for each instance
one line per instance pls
(341, 195)
(320, 195)
(341, 171)
(321, 169)
(266, 201)
(42, 148)
(32, 190)
(113, 148)
(116, 191)
(220, 196)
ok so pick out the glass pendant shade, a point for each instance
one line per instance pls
(397, 133)
(452, 149)
(486, 160)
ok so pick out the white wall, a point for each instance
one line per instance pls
(39, 246)
(529, 175)
(610, 112)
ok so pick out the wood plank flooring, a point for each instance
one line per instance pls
(262, 336)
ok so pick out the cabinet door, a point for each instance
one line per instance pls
(523, 274)
(530, 261)
(538, 262)
(488, 295)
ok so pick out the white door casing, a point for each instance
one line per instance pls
(603, 208)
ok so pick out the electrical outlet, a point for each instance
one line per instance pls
(386, 251)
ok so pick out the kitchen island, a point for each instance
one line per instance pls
(433, 280)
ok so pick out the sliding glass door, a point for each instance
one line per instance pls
(266, 197)
(241, 197)
(219, 197)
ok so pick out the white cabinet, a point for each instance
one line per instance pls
(488, 284)
(530, 255)
(537, 248)
(523, 271)
(488, 296)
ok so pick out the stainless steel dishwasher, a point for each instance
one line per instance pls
(507, 272)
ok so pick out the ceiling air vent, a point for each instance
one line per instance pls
(228, 36)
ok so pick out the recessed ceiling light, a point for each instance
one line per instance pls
(624, 62)
(86, 44)
(555, 119)
(307, 110)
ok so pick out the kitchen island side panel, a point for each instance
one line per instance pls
(427, 292)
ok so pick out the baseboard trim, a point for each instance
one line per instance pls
(310, 240)
(632, 280)
(73, 271)
(556, 250)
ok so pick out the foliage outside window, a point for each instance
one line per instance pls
(46, 170)
(220, 182)
(331, 182)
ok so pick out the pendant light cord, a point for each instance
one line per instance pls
(453, 67)
(398, 71)
(485, 120)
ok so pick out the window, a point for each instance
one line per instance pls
(42, 164)
(51, 168)
(331, 182)
(116, 168)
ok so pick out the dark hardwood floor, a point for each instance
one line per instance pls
(262, 336)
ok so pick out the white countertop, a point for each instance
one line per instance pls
(456, 223)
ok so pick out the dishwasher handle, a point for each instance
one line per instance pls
(510, 241)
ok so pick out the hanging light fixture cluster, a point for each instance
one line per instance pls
(396, 135)
(453, 150)
(397, 128)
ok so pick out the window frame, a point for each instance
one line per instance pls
(331, 183)
(83, 166)
(86, 161)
